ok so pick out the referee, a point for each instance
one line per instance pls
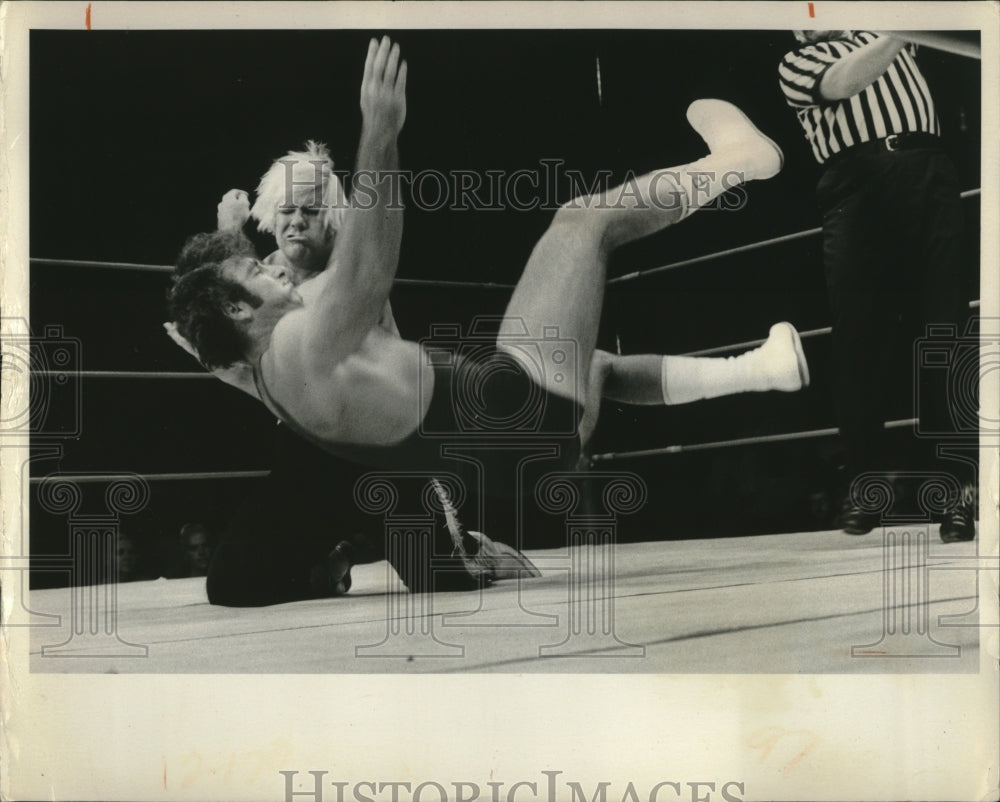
(892, 230)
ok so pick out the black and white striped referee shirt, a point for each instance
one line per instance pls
(898, 102)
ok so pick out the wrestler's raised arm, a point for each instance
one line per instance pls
(366, 253)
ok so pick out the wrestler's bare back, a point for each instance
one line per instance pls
(375, 396)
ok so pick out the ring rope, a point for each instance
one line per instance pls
(415, 282)
(139, 268)
(720, 349)
(188, 374)
(752, 246)
(85, 478)
(125, 374)
(739, 441)
(945, 41)
(804, 335)
(606, 457)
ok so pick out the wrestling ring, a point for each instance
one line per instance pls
(897, 600)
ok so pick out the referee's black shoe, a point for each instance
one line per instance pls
(959, 523)
(854, 520)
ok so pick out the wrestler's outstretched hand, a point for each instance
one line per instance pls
(383, 88)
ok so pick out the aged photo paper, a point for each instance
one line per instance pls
(690, 617)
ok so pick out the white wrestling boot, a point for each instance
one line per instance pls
(729, 133)
(777, 364)
(780, 362)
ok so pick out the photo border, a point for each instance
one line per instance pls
(199, 737)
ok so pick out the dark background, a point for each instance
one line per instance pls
(135, 135)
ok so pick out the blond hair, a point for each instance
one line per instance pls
(274, 186)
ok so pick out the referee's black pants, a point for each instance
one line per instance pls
(892, 248)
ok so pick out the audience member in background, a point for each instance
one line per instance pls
(198, 545)
(132, 560)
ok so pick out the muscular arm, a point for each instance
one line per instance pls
(366, 253)
(855, 71)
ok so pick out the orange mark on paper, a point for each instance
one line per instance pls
(88, 16)
(767, 738)
(812, 10)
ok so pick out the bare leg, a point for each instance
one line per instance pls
(561, 293)
(601, 368)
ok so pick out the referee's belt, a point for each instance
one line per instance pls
(891, 143)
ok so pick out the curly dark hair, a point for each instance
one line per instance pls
(212, 247)
(198, 301)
